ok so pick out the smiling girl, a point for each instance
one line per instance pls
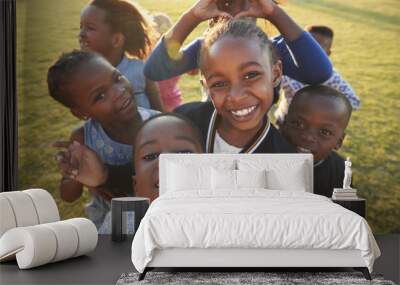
(302, 58)
(239, 69)
(119, 31)
(96, 92)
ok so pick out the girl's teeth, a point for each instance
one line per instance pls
(243, 112)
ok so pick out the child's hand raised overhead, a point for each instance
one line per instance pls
(270, 10)
(258, 9)
(207, 9)
(80, 163)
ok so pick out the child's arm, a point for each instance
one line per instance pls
(309, 63)
(166, 59)
(161, 66)
(70, 189)
(89, 169)
(337, 82)
(269, 10)
(291, 86)
(153, 94)
(82, 164)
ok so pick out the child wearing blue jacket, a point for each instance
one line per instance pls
(302, 58)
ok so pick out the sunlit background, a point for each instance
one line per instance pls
(365, 52)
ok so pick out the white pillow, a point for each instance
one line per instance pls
(185, 177)
(251, 179)
(223, 179)
(285, 174)
(293, 180)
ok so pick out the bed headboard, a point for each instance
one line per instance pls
(286, 165)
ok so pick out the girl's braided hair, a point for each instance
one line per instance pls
(238, 29)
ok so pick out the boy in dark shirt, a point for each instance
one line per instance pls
(315, 123)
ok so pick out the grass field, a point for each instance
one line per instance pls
(365, 51)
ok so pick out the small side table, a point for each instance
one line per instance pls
(122, 206)
(357, 205)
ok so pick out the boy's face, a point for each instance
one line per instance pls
(95, 34)
(100, 92)
(324, 42)
(316, 124)
(162, 135)
(239, 78)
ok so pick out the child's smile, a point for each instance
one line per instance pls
(102, 93)
(127, 101)
(238, 76)
(244, 114)
(94, 32)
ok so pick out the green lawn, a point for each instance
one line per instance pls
(365, 51)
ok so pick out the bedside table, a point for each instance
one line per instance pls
(121, 210)
(355, 205)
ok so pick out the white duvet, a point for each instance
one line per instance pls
(253, 218)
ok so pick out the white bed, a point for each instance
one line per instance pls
(253, 210)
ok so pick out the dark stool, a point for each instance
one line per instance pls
(119, 207)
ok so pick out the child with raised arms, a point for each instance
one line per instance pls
(301, 56)
(239, 69)
(96, 92)
(316, 123)
(324, 36)
(118, 30)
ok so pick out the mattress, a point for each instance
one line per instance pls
(250, 219)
